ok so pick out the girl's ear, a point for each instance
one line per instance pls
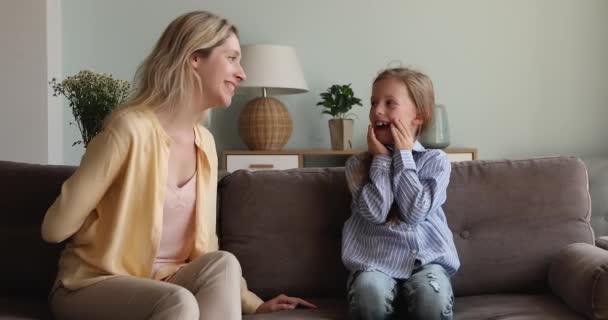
(418, 120)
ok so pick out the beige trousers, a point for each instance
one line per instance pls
(206, 288)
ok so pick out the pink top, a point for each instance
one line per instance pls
(177, 237)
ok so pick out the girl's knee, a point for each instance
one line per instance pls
(428, 295)
(371, 295)
(431, 305)
(373, 281)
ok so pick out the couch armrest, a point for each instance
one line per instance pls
(602, 242)
(579, 275)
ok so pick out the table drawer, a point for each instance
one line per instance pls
(460, 156)
(261, 162)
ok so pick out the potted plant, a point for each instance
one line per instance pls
(92, 97)
(338, 100)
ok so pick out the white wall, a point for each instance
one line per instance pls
(23, 135)
(30, 131)
(54, 47)
(519, 78)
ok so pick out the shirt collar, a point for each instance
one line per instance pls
(197, 137)
(418, 147)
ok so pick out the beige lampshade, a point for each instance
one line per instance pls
(265, 123)
(273, 67)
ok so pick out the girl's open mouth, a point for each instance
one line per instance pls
(381, 125)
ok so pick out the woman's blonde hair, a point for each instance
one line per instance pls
(166, 79)
(420, 88)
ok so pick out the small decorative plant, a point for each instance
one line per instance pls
(338, 100)
(92, 97)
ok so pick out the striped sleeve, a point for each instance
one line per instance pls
(420, 191)
(376, 197)
(357, 172)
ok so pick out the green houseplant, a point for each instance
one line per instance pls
(92, 96)
(337, 101)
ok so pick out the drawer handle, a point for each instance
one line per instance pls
(261, 166)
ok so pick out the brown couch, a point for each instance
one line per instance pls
(521, 229)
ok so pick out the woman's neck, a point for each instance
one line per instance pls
(178, 123)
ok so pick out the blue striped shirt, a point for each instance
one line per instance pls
(412, 185)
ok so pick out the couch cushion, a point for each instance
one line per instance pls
(513, 307)
(334, 309)
(509, 218)
(27, 191)
(507, 307)
(597, 168)
(285, 228)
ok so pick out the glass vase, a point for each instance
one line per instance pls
(436, 135)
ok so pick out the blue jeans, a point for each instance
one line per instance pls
(427, 294)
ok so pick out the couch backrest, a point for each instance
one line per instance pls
(285, 227)
(29, 265)
(508, 219)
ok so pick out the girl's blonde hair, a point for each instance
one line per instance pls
(166, 79)
(420, 89)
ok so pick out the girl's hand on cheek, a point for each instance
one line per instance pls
(404, 140)
(374, 146)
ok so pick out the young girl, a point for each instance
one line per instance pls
(396, 243)
(139, 212)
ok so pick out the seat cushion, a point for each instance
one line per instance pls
(334, 309)
(513, 307)
(503, 307)
(24, 309)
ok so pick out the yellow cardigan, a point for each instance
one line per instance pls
(112, 206)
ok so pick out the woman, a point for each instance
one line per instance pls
(140, 209)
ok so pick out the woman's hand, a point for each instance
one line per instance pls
(374, 146)
(283, 302)
(404, 140)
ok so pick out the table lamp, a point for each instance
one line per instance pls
(265, 123)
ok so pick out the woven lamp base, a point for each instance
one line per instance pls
(265, 124)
